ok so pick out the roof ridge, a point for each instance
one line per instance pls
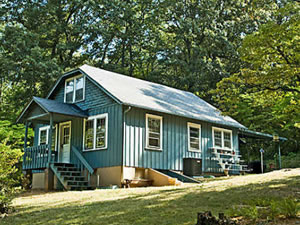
(135, 78)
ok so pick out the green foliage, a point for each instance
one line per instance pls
(290, 208)
(249, 212)
(291, 160)
(267, 88)
(190, 45)
(266, 208)
(8, 160)
(11, 143)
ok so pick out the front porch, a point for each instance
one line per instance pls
(53, 150)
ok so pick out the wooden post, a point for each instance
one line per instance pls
(50, 139)
(25, 144)
(49, 179)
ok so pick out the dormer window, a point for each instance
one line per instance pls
(74, 89)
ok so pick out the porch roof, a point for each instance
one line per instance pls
(40, 108)
(258, 135)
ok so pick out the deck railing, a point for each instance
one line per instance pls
(36, 157)
(82, 164)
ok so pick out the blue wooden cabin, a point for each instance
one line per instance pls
(109, 128)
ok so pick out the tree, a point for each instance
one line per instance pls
(201, 40)
(265, 94)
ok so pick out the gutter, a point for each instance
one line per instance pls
(123, 140)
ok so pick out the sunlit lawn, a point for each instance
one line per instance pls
(156, 205)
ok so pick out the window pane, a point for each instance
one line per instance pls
(227, 139)
(154, 132)
(69, 91)
(194, 132)
(100, 133)
(154, 125)
(79, 89)
(154, 142)
(66, 135)
(195, 145)
(89, 134)
(218, 138)
(43, 137)
(194, 138)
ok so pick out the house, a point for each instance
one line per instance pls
(109, 129)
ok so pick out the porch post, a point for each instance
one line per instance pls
(50, 139)
(26, 134)
(279, 155)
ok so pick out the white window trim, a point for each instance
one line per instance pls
(94, 118)
(222, 137)
(74, 88)
(147, 133)
(47, 135)
(198, 126)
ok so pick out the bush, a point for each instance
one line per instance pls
(11, 177)
(8, 180)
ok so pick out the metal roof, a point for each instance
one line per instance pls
(147, 95)
(259, 135)
(53, 106)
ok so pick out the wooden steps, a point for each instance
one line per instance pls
(70, 177)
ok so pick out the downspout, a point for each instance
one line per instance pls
(124, 136)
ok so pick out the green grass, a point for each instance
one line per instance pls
(160, 205)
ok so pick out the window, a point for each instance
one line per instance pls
(222, 138)
(74, 89)
(194, 137)
(154, 132)
(95, 132)
(43, 136)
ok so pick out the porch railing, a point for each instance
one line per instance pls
(36, 157)
(82, 164)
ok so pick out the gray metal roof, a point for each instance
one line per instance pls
(144, 94)
(255, 134)
(52, 106)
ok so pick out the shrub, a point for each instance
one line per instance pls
(9, 158)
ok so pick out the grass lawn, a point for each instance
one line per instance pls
(154, 205)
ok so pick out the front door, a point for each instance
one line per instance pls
(65, 142)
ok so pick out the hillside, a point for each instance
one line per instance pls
(155, 205)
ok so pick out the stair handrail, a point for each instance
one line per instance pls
(82, 160)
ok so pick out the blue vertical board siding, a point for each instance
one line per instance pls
(175, 142)
(112, 156)
(96, 102)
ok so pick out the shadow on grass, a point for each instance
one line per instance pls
(175, 206)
